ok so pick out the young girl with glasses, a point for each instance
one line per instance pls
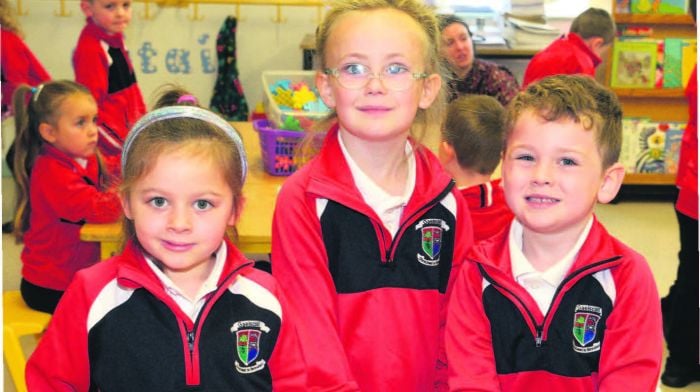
(367, 235)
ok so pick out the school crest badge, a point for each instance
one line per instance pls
(585, 328)
(249, 334)
(431, 231)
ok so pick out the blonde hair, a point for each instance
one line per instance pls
(579, 98)
(8, 19)
(427, 120)
(34, 106)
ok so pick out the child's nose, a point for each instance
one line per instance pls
(180, 219)
(543, 174)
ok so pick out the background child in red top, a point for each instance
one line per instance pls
(553, 303)
(181, 308)
(366, 236)
(101, 63)
(472, 139)
(61, 186)
(19, 66)
(680, 307)
(579, 52)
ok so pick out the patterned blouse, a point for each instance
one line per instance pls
(486, 78)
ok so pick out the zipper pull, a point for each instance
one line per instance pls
(190, 339)
(538, 339)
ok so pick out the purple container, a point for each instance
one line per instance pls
(277, 146)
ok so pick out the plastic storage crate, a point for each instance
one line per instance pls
(277, 146)
(278, 116)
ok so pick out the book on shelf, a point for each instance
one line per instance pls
(664, 7)
(674, 135)
(673, 57)
(634, 63)
(689, 53)
(652, 143)
(650, 146)
(630, 143)
(622, 6)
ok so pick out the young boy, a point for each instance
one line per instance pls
(101, 63)
(556, 302)
(578, 52)
(470, 151)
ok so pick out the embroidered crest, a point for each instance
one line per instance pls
(431, 240)
(248, 338)
(586, 319)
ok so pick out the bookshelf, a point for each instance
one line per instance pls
(658, 104)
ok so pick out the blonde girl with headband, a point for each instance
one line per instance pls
(181, 308)
(367, 235)
(62, 184)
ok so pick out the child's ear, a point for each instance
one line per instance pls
(237, 210)
(446, 153)
(323, 85)
(124, 199)
(47, 132)
(86, 8)
(431, 88)
(612, 181)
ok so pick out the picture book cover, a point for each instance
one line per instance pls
(622, 6)
(689, 58)
(652, 145)
(660, 65)
(674, 7)
(673, 57)
(674, 134)
(630, 143)
(634, 63)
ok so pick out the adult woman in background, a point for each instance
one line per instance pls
(469, 74)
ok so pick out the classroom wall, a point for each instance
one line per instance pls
(172, 48)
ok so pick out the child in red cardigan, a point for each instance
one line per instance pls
(101, 63)
(61, 186)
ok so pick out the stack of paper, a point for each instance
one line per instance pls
(521, 33)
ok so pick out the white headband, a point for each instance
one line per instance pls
(181, 111)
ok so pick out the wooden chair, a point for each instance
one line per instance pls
(19, 320)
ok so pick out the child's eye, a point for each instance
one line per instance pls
(354, 69)
(568, 162)
(395, 69)
(202, 205)
(524, 157)
(158, 202)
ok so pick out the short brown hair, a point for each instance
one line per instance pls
(579, 98)
(594, 22)
(474, 127)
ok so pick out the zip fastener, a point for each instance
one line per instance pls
(539, 329)
(192, 333)
(409, 220)
(568, 279)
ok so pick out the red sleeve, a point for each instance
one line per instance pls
(19, 66)
(299, 263)
(287, 362)
(73, 198)
(60, 362)
(472, 366)
(633, 347)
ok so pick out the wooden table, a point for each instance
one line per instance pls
(254, 226)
